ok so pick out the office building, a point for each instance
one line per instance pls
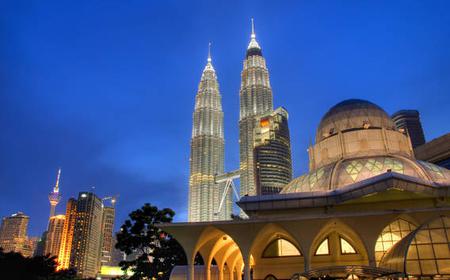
(107, 234)
(207, 151)
(409, 122)
(13, 234)
(54, 235)
(255, 97)
(272, 152)
(67, 235)
(87, 235)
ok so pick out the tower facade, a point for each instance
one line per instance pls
(67, 235)
(255, 101)
(13, 234)
(272, 153)
(109, 213)
(54, 197)
(409, 121)
(207, 151)
(54, 235)
(87, 235)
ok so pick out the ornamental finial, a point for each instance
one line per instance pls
(209, 52)
(253, 30)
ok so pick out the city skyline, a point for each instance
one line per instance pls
(99, 126)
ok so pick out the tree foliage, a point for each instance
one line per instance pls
(151, 252)
(14, 266)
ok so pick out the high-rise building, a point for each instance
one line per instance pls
(107, 234)
(67, 236)
(87, 235)
(207, 151)
(13, 234)
(409, 121)
(40, 245)
(255, 101)
(272, 153)
(54, 235)
(54, 197)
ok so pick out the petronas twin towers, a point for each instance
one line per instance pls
(265, 155)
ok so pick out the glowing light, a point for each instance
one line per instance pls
(323, 248)
(346, 247)
(114, 271)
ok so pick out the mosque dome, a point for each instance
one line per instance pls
(353, 114)
(357, 140)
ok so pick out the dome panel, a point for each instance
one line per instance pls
(438, 174)
(316, 180)
(354, 170)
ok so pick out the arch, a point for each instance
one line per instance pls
(423, 252)
(280, 247)
(391, 234)
(269, 233)
(198, 259)
(329, 237)
(281, 267)
(217, 247)
(270, 277)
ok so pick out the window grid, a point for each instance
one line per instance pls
(391, 234)
(429, 253)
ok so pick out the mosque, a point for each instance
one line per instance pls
(367, 209)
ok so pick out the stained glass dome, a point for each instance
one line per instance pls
(350, 171)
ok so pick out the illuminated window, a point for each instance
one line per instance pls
(346, 247)
(281, 248)
(391, 235)
(323, 248)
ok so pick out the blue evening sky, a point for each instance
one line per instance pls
(105, 89)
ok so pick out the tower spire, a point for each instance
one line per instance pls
(253, 43)
(209, 52)
(56, 188)
(253, 36)
(54, 197)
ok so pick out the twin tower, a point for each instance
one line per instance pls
(264, 141)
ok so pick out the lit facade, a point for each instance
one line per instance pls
(207, 152)
(87, 235)
(272, 152)
(107, 235)
(13, 234)
(367, 208)
(67, 235)
(255, 97)
(54, 235)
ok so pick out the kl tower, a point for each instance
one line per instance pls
(54, 197)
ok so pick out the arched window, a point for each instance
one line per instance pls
(390, 235)
(346, 247)
(323, 248)
(280, 248)
(425, 252)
